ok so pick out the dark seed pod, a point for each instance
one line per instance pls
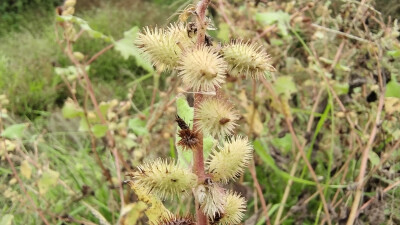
(181, 123)
(189, 139)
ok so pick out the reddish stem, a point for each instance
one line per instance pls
(198, 158)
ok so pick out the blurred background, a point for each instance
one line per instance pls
(52, 152)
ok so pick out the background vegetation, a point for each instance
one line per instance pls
(332, 104)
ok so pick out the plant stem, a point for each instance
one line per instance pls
(198, 158)
(201, 24)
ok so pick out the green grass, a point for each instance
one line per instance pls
(27, 62)
(53, 143)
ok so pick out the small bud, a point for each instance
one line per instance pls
(72, 77)
(229, 162)
(91, 116)
(234, 208)
(202, 69)
(216, 117)
(249, 59)
(69, 3)
(12, 181)
(181, 123)
(79, 56)
(189, 138)
(165, 179)
(212, 198)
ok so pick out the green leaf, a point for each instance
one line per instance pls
(284, 143)
(85, 26)
(7, 219)
(104, 107)
(373, 158)
(83, 126)
(71, 110)
(127, 48)
(138, 126)
(184, 110)
(394, 53)
(393, 89)
(48, 180)
(128, 142)
(97, 214)
(281, 18)
(276, 42)
(99, 130)
(341, 88)
(25, 169)
(285, 85)
(14, 131)
(208, 145)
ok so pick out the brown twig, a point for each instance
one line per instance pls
(252, 165)
(221, 10)
(101, 52)
(198, 159)
(159, 111)
(296, 161)
(365, 153)
(388, 188)
(303, 154)
(89, 88)
(259, 191)
(155, 88)
(106, 172)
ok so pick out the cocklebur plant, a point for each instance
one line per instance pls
(202, 66)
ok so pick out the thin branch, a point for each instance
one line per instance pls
(23, 187)
(296, 161)
(340, 33)
(303, 154)
(252, 166)
(365, 153)
(101, 52)
(388, 188)
(259, 192)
